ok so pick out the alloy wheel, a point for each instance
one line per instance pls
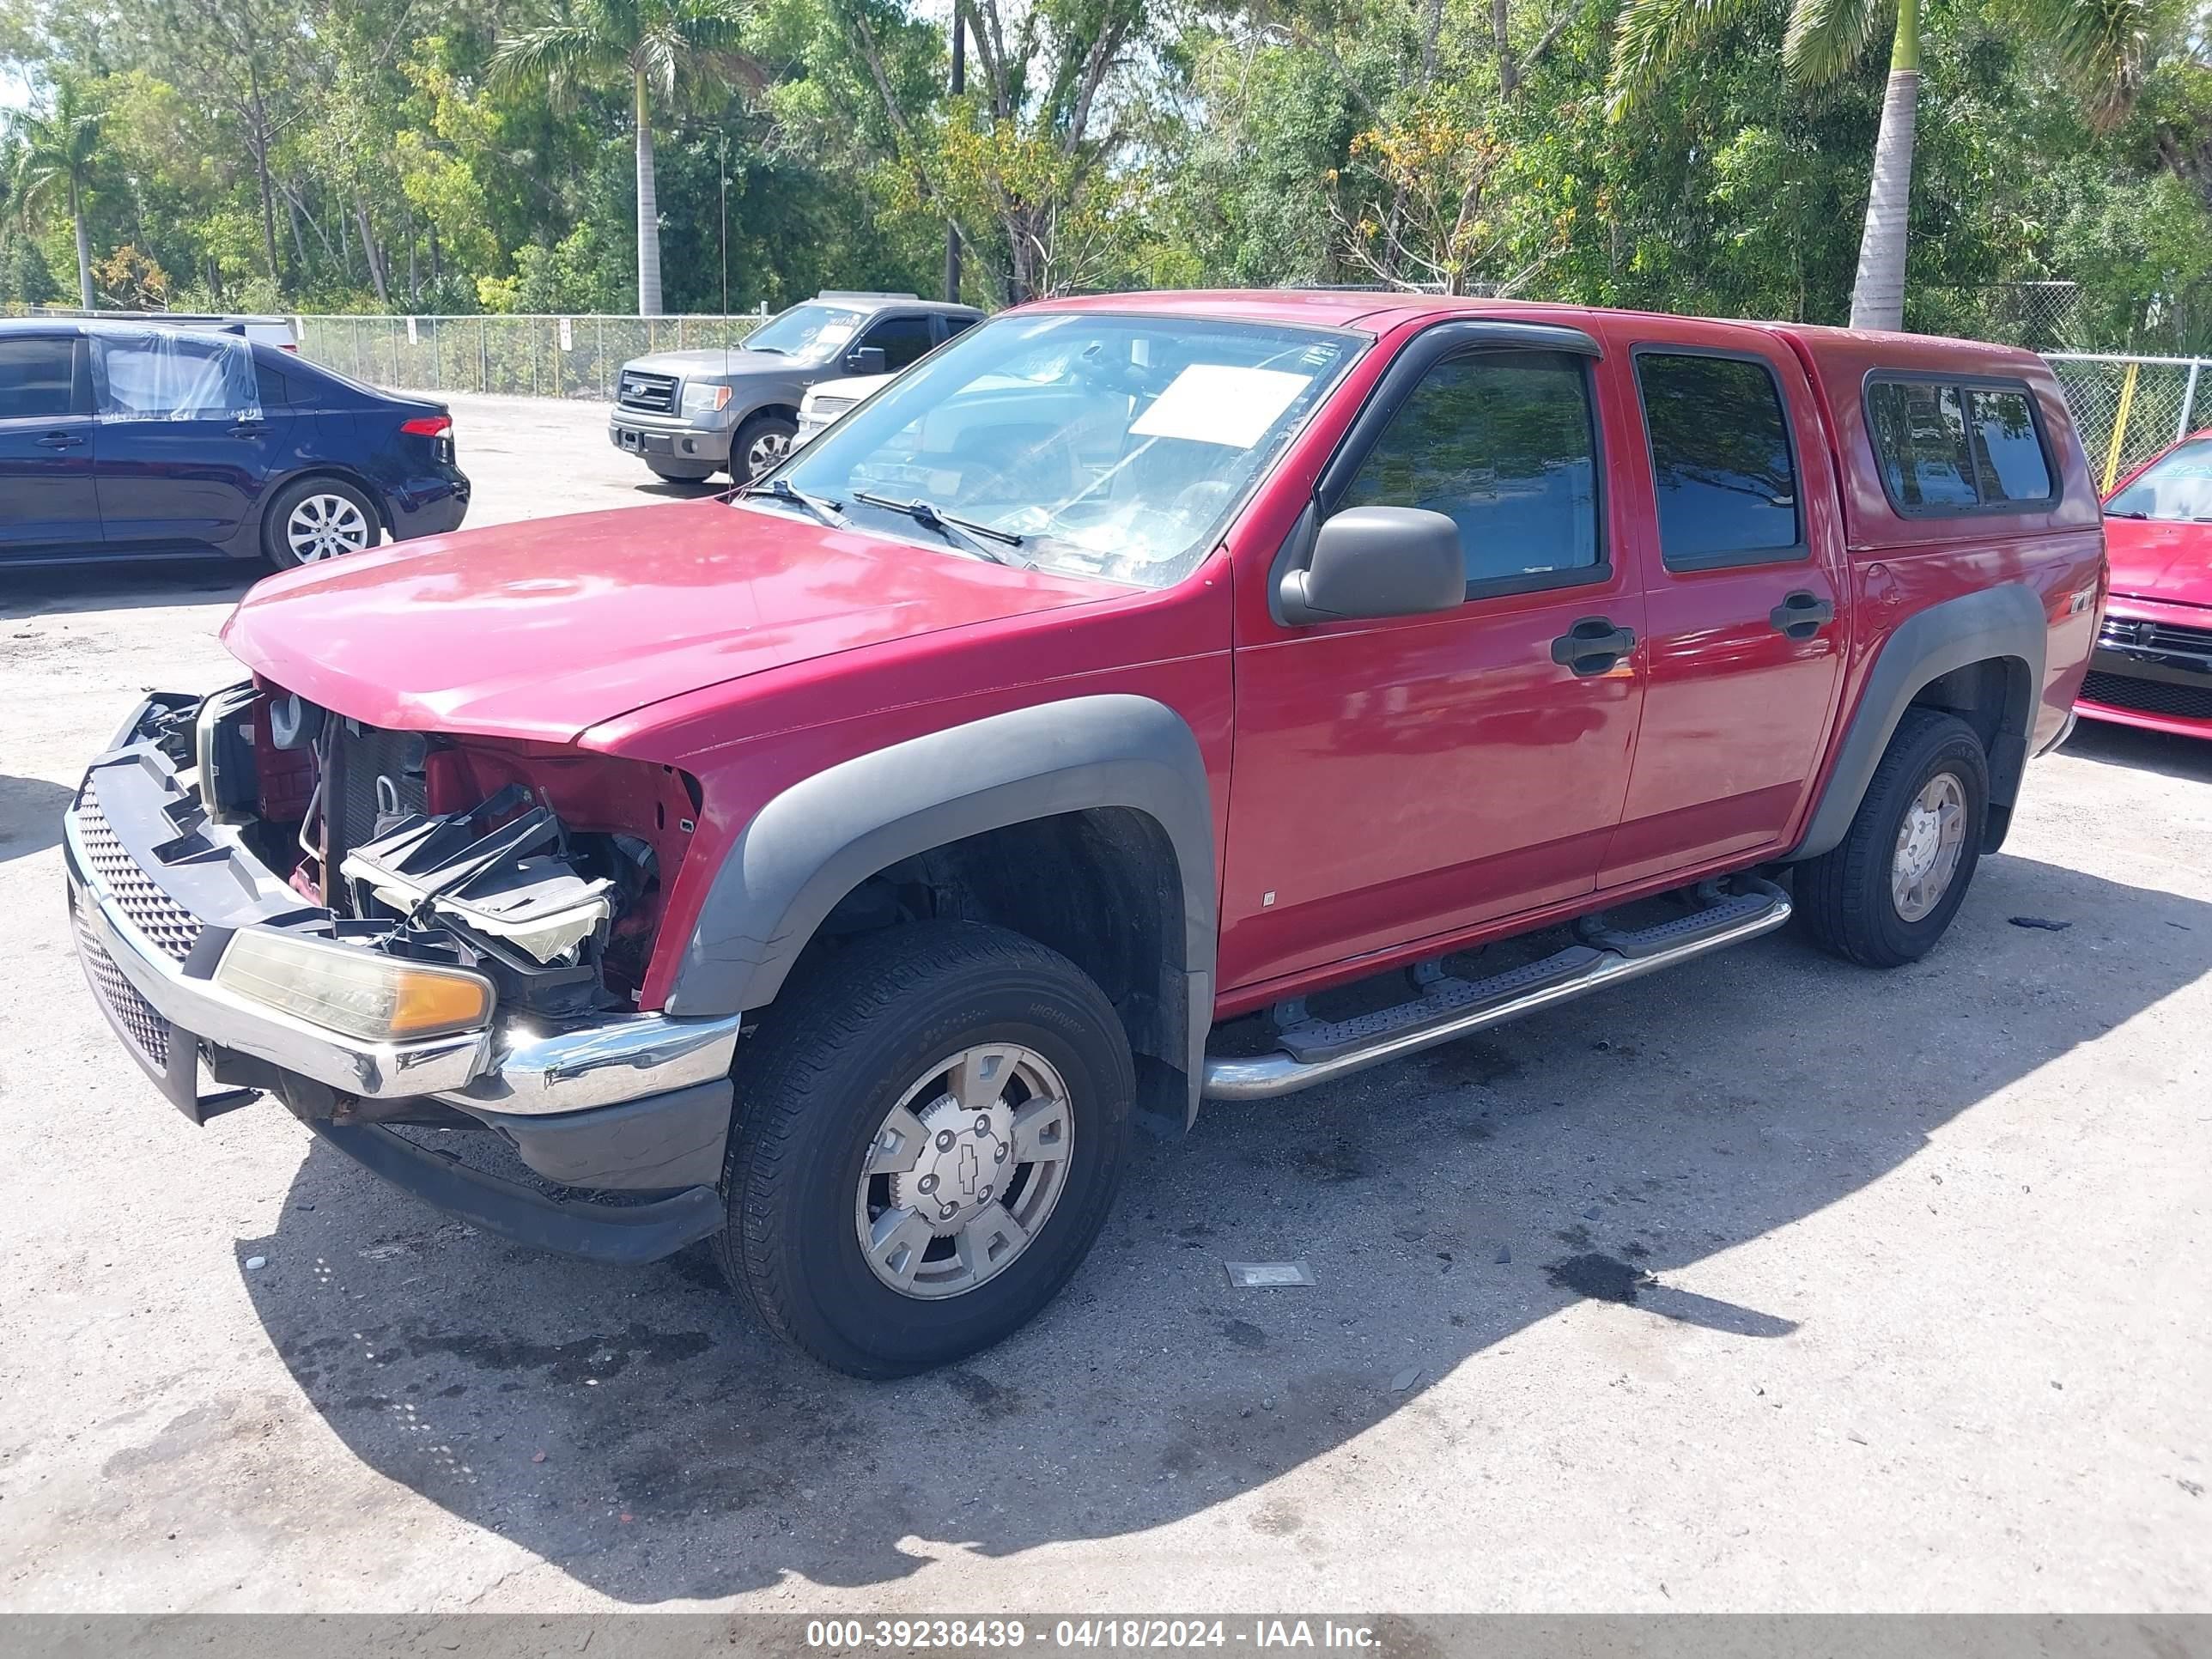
(323, 527)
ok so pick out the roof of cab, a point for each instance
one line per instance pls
(1377, 309)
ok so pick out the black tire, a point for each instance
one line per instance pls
(680, 474)
(1844, 895)
(752, 432)
(275, 546)
(830, 1060)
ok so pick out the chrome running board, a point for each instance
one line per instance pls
(1320, 1052)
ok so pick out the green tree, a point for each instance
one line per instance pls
(2098, 43)
(661, 45)
(61, 142)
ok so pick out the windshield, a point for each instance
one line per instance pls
(2177, 485)
(1090, 443)
(810, 332)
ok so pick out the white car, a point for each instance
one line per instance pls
(827, 403)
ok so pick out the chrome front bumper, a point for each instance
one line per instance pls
(156, 892)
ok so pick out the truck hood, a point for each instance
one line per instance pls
(544, 629)
(713, 364)
(2160, 559)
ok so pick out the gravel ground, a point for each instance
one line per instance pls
(1926, 1330)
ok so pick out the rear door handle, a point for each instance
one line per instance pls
(1592, 646)
(249, 428)
(1801, 615)
(61, 441)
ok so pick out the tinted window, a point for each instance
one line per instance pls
(35, 378)
(1502, 444)
(1720, 459)
(904, 340)
(959, 325)
(1920, 438)
(2011, 455)
(2177, 485)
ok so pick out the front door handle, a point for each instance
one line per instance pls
(1592, 646)
(61, 441)
(249, 428)
(1801, 615)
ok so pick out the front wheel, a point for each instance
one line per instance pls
(760, 446)
(1883, 896)
(930, 1130)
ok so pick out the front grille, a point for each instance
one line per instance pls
(166, 926)
(147, 1031)
(2123, 633)
(2188, 702)
(652, 394)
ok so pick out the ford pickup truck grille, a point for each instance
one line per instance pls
(651, 394)
(2188, 702)
(147, 1031)
(168, 925)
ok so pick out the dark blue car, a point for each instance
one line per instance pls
(131, 441)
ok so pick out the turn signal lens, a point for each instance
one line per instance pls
(363, 993)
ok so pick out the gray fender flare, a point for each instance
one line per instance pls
(2005, 622)
(822, 837)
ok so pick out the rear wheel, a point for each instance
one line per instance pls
(1884, 895)
(930, 1131)
(760, 446)
(313, 520)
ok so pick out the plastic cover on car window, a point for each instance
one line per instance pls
(171, 374)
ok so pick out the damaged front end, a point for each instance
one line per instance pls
(392, 927)
(536, 866)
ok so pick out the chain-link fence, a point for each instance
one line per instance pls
(530, 357)
(2128, 409)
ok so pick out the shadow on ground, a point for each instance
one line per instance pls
(56, 590)
(1445, 1204)
(684, 490)
(2171, 757)
(30, 815)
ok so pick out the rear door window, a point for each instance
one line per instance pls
(904, 340)
(1503, 444)
(170, 375)
(37, 378)
(1945, 448)
(1721, 462)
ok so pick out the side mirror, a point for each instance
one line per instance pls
(867, 360)
(1378, 561)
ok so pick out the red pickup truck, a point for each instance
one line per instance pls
(1142, 700)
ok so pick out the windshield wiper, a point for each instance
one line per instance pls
(2127, 515)
(977, 536)
(782, 490)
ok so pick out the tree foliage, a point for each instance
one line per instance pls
(335, 154)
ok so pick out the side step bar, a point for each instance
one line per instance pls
(1320, 1052)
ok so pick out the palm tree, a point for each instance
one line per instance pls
(59, 146)
(2098, 43)
(659, 45)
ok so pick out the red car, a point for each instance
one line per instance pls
(2153, 665)
(833, 872)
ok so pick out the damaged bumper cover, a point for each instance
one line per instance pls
(158, 891)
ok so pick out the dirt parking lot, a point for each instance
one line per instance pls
(1928, 1328)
